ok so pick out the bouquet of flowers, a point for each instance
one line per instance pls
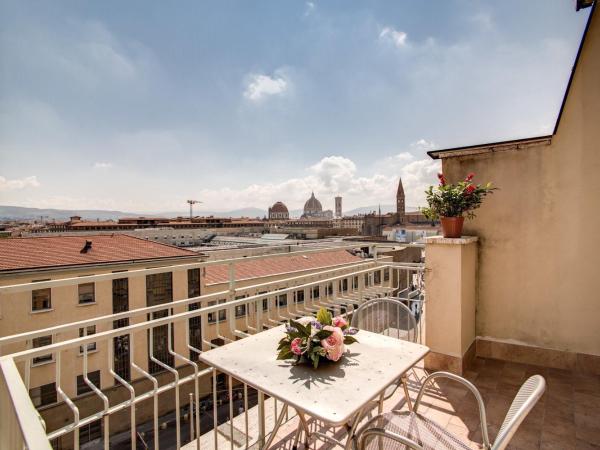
(314, 339)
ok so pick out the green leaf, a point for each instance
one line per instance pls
(349, 340)
(324, 316)
(285, 354)
(283, 344)
(315, 359)
(302, 330)
(323, 334)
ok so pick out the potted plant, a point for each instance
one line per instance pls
(451, 202)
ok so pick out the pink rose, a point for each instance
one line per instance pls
(296, 346)
(334, 344)
(339, 321)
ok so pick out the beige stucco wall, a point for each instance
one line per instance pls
(450, 278)
(539, 234)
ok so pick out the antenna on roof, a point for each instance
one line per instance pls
(87, 247)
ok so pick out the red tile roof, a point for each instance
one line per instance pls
(58, 251)
(279, 265)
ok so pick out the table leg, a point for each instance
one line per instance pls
(359, 415)
(276, 427)
(304, 424)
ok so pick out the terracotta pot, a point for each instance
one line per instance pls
(452, 226)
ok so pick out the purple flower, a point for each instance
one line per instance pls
(350, 331)
(289, 329)
(317, 325)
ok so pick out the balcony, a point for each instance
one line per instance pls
(185, 404)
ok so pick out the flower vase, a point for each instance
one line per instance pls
(452, 226)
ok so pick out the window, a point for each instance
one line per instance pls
(211, 316)
(193, 283)
(82, 387)
(87, 332)
(160, 343)
(42, 342)
(265, 304)
(377, 277)
(240, 311)
(86, 293)
(315, 292)
(222, 313)
(299, 296)
(121, 356)
(195, 332)
(386, 275)
(159, 288)
(354, 282)
(366, 279)
(43, 395)
(344, 285)
(41, 299)
(120, 300)
(91, 432)
(282, 300)
(330, 289)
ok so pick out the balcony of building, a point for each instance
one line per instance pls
(174, 401)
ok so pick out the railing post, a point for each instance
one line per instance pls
(261, 419)
(20, 423)
(450, 283)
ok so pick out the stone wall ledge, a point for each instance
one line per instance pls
(451, 241)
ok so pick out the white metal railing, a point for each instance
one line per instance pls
(338, 292)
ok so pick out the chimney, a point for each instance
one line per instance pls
(87, 247)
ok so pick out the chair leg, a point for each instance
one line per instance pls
(406, 394)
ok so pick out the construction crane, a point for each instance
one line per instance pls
(192, 202)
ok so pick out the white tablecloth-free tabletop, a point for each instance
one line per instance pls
(334, 392)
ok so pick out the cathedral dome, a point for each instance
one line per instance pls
(312, 206)
(279, 207)
(278, 211)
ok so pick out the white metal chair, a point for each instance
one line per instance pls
(390, 317)
(411, 430)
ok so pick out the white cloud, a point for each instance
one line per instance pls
(260, 86)
(102, 165)
(393, 36)
(18, 183)
(310, 7)
(422, 145)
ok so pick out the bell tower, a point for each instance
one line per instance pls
(400, 205)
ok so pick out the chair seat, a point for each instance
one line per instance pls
(417, 428)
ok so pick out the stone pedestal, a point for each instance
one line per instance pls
(450, 283)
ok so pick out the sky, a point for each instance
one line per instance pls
(139, 106)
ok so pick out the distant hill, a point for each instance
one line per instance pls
(21, 213)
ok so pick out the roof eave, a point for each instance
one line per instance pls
(517, 144)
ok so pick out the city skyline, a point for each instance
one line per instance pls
(241, 105)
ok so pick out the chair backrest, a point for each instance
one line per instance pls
(386, 316)
(528, 395)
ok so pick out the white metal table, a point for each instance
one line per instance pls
(335, 393)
